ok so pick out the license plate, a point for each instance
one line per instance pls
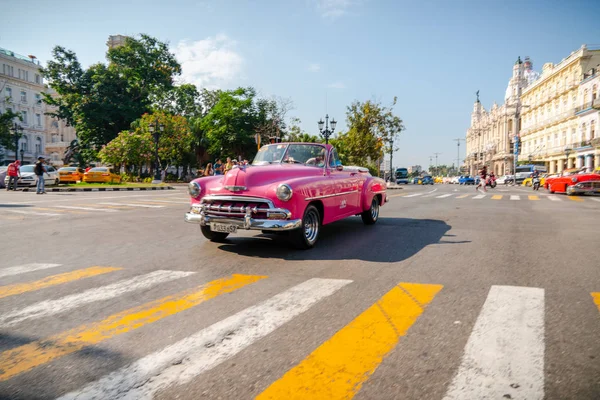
(226, 228)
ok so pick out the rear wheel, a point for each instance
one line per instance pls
(550, 189)
(213, 236)
(371, 216)
(308, 234)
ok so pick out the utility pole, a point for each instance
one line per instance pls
(436, 163)
(430, 163)
(458, 140)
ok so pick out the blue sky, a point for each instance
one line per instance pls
(323, 54)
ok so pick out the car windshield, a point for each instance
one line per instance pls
(68, 169)
(27, 168)
(306, 154)
(99, 170)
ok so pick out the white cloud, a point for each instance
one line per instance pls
(210, 62)
(314, 67)
(333, 8)
(337, 85)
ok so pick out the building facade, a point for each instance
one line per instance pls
(21, 87)
(59, 135)
(489, 139)
(558, 114)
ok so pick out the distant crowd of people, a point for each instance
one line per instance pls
(219, 168)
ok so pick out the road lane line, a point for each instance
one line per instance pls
(479, 197)
(414, 195)
(86, 208)
(131, 205)
(181, 362)
(24, 358)
(497, 197)
(86, 196)
(20, 288)
(462, 196)
(183, 202)
(591, 198)
(596, 297)
(532, 197)
(554, 198)
(32, 213)
(396, 195)
(21, 269)
(60, 211)
(338, 368)
(51, 307)
(504, 356)
(444, 196)
(515, 197)
(574, 198)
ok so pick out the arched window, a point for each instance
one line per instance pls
(25, 143)
(585, 96)
(594, 92)
(583, 132)
(593, 129)
(38, 145)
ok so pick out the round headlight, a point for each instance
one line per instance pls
(284, 192)
(194, 189)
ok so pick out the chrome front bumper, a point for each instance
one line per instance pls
(246, 223)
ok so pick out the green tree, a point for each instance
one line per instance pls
(184, 100)
(296, 134)
(7, 136)
(104, 100)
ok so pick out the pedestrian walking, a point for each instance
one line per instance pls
(218, 167)
(228, 165)
(482, 179)
(14, 173)
(208, 171)
(39, 172)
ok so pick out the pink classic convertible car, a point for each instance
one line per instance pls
(290, 187)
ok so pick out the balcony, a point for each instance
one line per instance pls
(596, 104)
(583, 108)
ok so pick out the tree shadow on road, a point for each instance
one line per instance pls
(390, 240)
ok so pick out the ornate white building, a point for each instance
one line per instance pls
(21, 88)
(489, 139)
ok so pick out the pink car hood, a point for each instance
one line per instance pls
(254, 176)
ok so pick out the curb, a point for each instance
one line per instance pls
(128, 189)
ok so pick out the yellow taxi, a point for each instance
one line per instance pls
(70, 174)
(438, 179)
(101, 175)
(529, 181)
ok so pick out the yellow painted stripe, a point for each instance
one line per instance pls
(532, 197)
(497, 197)
(463, 196)
(397, 195)
(596, 297)
(29, 356)
(338, 368)
(574, 198)
(19, 288)
(60, 211)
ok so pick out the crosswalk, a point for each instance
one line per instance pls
(506, 344)
(83, 207)
(492, 196)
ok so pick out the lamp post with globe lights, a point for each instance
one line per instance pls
(17, 129)
(324, 128)
(156, 129)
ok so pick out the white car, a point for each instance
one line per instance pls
(454, 180)
(29, 178)
(504, 180)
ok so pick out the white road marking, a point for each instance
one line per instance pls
(504, 356)
(182, 361)
(32, 213)
(51, 307)
(554, 198)
(132, 205)
(169, 201)
(479, 197)
(591, 198)
(515, 197)
(443, 196)
(21, 269)
(87, 208)
(54, 197)
(415, 195)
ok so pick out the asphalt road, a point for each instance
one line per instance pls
(451, 295)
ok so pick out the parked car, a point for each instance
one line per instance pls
(71, 174)
(505, 180)
(3, 171)
(416, 180)
(466, 180)
(570, 177)
(427, 180)
(101, 175)
(29, 178)
(289, 187)
(455, 180)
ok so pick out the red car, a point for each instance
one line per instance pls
(570, 177)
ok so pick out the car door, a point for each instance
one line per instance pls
(49, 175)
(347, 185)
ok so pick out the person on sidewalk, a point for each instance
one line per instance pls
(14, 174)
(39, 172)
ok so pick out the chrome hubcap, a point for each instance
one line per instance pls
(374, 210)
(311, 226)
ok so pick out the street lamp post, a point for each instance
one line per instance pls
(22, 154)
(326, 132)
(156, 129)
(16, 130)
(568, 151)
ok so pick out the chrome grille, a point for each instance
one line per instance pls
(234, 208)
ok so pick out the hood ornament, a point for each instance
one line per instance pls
(235, 188)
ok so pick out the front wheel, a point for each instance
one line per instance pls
(211, 235)
(371, 216)
(308, 234)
